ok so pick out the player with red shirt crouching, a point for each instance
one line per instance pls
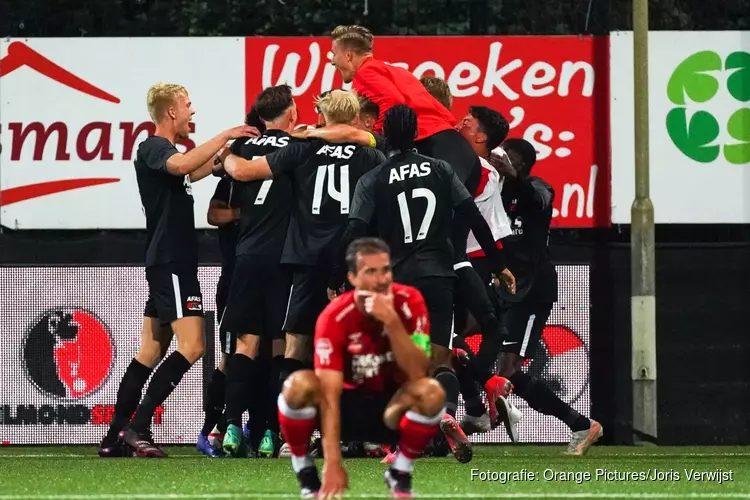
(372, 351)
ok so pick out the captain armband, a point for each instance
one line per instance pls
(422, 340)
(373, 141)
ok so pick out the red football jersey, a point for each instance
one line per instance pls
(350, 341)
(388, 85)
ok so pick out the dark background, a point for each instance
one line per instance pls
(702, 272)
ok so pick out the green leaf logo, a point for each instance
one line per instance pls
(739, 128)
(689, 78)
(693, 138)
(738, 82)
(689, 85)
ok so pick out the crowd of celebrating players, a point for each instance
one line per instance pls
(357, 254)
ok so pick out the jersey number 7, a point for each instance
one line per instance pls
(342, 196)
(264, 188)
(406, 217)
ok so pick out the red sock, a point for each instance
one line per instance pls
(416, 431)
(296, 426)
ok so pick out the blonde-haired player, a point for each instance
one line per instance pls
(174, 305)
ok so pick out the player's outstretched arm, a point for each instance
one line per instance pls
(244, 170)
(334, 476)
(187, 163)
(341, 133)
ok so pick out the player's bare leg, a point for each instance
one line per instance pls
(190, 345)
(240, 372)
(415, 411)
(585, 431)
(297, 405)
(154, 342)
(443, 372)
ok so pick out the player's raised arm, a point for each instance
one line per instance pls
(272, 165)
(412, 354)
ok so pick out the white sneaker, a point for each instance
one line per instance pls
(476, 425)
(581, 441)
(285, 451)
(509, 415)
(215, 438)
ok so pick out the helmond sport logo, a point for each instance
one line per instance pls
(68, 353)
(21, 55)
(695, 81)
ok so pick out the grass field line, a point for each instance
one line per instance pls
(228, 496)
(496, 457)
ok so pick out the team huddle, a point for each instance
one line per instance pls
(357, 254)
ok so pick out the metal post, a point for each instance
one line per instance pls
(643, 305)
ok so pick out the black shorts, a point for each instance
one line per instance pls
(438, 297)
(524, 323)
(307, 299)
(258, 297)
(362, 417)
(173, 292)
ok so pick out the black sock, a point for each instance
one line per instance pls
(166, 378)
(222, 423)
(289, 366)
(214, 404)
(480, 375)
(128, 396)
(448, 380)
(240, 371)
(277, 363)
(543, 400)
(474, 405)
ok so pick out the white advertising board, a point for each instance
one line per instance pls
(73, 111)
(68, 334)
(699, 119)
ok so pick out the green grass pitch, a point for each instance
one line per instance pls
(76, 473)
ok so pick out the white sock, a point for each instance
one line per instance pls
(403, 464)
(299, 463)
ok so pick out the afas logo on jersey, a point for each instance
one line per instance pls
(194, 303)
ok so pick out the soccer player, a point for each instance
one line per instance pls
(411, 201)
(368, 114)
(260, 286)
(439, 89)
(164, 181)
(323, 176)
(223, 212)
(528, 202)
(372, 349)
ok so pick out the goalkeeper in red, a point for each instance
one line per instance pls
(372, 350)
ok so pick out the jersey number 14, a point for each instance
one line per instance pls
(342, 195)
(406, 217)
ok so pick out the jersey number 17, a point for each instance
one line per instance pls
(406, 217)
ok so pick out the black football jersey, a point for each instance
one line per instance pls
(410, 201)
(265, 205)
(167, 201)
(226, 192)
(323, 177)
(529, 209)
